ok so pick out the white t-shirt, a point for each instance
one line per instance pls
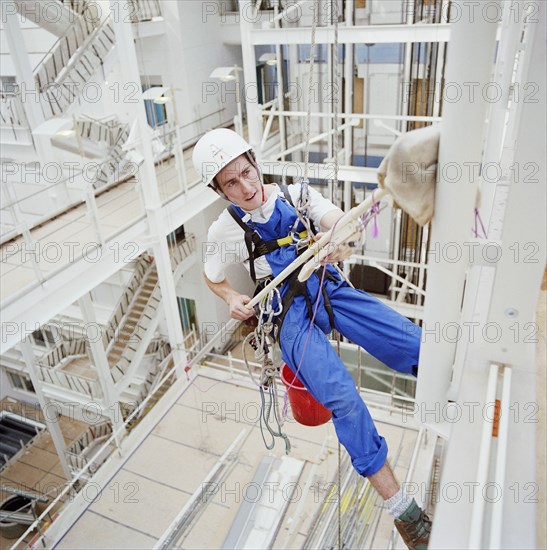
(226, 239)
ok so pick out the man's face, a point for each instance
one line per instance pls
(241, 184)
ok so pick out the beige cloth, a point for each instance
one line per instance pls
(409, 169)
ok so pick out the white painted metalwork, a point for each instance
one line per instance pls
(461, 142)
(496, 524)
(377, 34)
(477, 518)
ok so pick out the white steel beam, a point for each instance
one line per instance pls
(354, 116)
(254, 122)
(149, 185)
(377, 34)
(51, 420)
(21, 61)
(522, 255)
(100, 361)
(461, 143)
(319, 171)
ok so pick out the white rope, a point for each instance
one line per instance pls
(303, 204)
(310, 91)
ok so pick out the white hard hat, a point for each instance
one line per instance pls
(215, 150)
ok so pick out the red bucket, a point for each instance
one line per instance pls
(306, 410)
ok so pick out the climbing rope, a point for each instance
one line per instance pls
(334, 197)
(262, 340)
(303, 204)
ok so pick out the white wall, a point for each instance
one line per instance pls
(37, 43)
(383, 89)
(195, 49)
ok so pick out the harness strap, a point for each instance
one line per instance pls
(295, 288)
(256, 245)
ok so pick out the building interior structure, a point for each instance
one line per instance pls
(128, 418)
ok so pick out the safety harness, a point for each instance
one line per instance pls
(257, 247)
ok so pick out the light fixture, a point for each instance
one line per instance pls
(269, 58)
(65, 133)
(154, 93)
(162, 100)
(225, 74)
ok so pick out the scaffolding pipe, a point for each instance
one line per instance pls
(268, 128)
(496, 525)
(405, 282)
(313, 140)
(510, 37)
(289, 13)
(357, 116)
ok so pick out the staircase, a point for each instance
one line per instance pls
(54, 17)
(64, 71)
(128, 338)
(137, 324)
(103, 139)
(163, 363)
(80, 453)
(81, 379)
(144, 10)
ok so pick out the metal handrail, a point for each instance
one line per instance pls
(72, 64)
(44, 189)
(111, 237)
(145, 10)
(8, 99)
(81, 24)
(55, 45)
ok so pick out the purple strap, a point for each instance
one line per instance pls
(372, 215)
(478, 220)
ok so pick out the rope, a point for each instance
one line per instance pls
(262, 341)
(339, 469)
(334, 199)
(478, 220)
(310, 91)
(303, 203)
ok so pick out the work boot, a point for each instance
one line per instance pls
(414, 527)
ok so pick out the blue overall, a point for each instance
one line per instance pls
(366, 321)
